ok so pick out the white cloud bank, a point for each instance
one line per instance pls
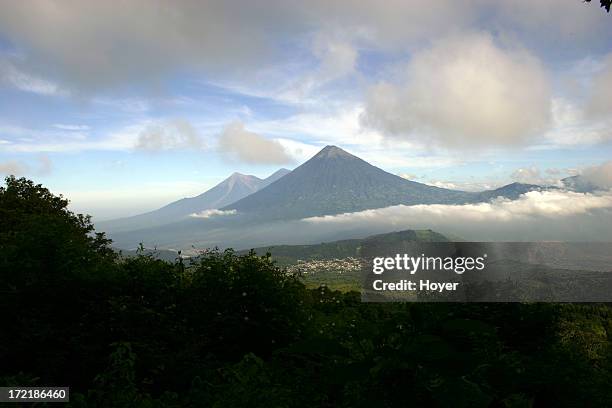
(212, 213)
(464, 92)
(600, 175)
(549, 215)
(249, 147)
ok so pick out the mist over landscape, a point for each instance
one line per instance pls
(325, 203)
(336, 195)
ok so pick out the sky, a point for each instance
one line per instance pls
(126, 106)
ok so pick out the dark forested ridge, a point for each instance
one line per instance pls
(228, 330)
(290, 254)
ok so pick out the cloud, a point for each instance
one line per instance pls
(600, 175)
(43, 167)
(529, 175)
(399, 23)
(13, 76)
(250, 147)
(174, 134)
(337, 58)
(26, 140)
(13, 167)
(127, 105)
(144, 135)
(408, 176)
(573, 125)
(548, 215)
(75, 128)
(464, 92)
(464, 185)
(579, 25)
(533, 175)
(598, 104)
(550, 204)
(81, 41)
(212, 213)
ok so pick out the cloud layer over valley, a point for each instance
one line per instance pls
(554, 215)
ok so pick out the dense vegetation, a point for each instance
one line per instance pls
(234, 330)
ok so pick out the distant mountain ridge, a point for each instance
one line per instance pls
(511, 191)
(290, 254)
(331, 182)
(334, 181)
(231, 189)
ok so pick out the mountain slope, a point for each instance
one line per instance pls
(334, 181)
(331, 182)
(579, 184)
(290, 254)
(273, 177)
(231, 189)
(512, 191)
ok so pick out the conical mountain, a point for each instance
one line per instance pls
(334, 181)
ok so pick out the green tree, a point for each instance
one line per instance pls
(41, 239)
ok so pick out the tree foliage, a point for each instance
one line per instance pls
(228, 330)
(605, 4)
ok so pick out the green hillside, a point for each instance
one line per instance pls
(337, 265)
(290, 254)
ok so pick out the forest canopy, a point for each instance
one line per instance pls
(228, 330)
